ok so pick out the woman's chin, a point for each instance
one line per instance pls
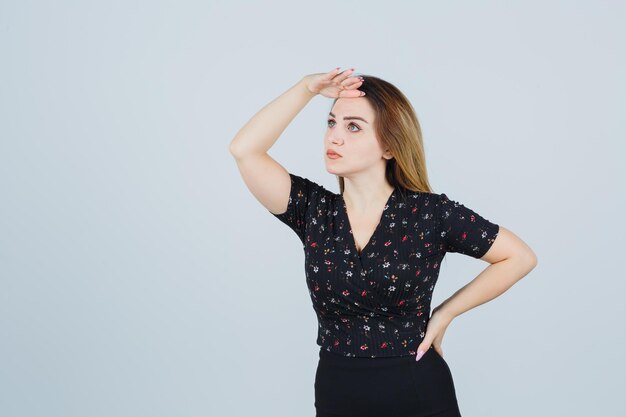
(332, 170)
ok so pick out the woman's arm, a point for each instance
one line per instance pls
(511, 259)
(269, 181)
(260, 133)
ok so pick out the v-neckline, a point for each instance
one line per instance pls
(376, 229)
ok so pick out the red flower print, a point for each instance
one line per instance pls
(364, 347)
(346, 292)
(363, 293)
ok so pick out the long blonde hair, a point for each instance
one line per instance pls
(397, 128)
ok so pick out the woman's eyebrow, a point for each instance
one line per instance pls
(350, 117)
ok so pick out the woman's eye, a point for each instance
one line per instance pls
(351, 124)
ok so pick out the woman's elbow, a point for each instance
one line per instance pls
(527, 261)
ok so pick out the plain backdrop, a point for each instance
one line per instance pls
(140, 277)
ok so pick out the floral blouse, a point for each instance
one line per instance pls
(377, 302)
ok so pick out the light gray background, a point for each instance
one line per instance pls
(140, 277)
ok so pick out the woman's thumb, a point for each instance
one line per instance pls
(421, 349)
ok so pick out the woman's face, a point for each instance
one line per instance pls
(350, 133)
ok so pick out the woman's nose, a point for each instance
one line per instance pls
(334, 139)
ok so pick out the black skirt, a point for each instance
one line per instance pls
(395, 386)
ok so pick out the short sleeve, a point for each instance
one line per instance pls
(463, 230)
(303, 195)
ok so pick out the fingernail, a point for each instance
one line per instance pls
(420, 353)
(362, 93)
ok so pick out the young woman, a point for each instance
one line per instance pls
(373, 251)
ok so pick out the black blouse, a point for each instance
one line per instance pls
(377, 303)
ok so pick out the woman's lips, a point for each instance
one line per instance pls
(332, 155)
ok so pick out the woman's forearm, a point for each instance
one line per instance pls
(260, 133)
(490, 283)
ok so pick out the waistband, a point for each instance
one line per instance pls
(362, 361)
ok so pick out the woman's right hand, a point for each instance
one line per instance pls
(334, 84)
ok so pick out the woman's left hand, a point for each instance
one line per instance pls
(437, 325)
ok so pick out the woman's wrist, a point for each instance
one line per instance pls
(305, 87)
(445, 313)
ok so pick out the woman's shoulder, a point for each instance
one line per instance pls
(314, 190)
(412, 197)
